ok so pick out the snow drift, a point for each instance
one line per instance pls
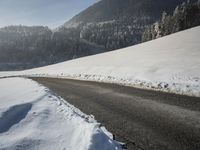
(170, 64)
(32, 118)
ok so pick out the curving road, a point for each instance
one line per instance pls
(144, 120)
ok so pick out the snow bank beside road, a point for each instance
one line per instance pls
(170, 64)
(31, 117)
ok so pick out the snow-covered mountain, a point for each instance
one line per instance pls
(171, 64)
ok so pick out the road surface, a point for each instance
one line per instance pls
(143, 119)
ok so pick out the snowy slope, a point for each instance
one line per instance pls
(33, 118)
(171, 64)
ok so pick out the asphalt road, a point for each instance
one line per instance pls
(144, 120)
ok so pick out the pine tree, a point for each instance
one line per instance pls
(164, 16)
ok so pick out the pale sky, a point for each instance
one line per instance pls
(50, 13)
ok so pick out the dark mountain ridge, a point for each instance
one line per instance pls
(106, 10)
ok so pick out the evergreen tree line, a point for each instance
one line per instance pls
(115, 34)
(185, 16)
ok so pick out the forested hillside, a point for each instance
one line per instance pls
(24, 47)
(116, 24)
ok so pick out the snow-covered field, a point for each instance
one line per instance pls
(170, 64)
(32, 118)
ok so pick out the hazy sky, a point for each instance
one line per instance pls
(40, 12)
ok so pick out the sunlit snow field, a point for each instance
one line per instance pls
(32, 118)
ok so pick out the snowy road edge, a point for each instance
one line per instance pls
(88, 118)
(174, 88)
